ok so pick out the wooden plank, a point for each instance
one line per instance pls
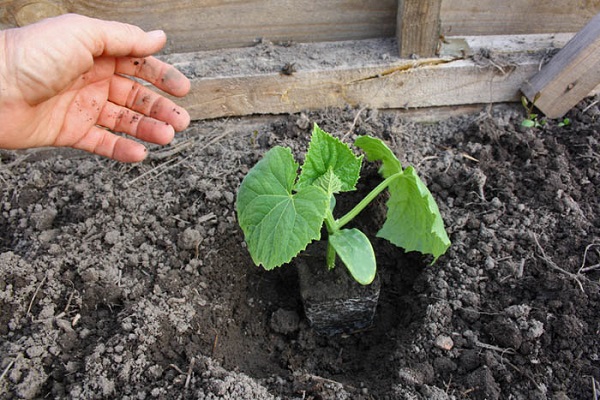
(455, 83)
(194, 25)
(210, 24)
(493, 17)
(518, 43)
(355, 81)
(570, 75)
(418, 27)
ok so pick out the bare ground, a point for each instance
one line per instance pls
(133, 282)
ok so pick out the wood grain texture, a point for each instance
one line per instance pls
(455, 83)
(395, 84)
(418, 27)
(211, 24)
(570, 75)
(493, 17)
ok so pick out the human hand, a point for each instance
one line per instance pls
(65, 81)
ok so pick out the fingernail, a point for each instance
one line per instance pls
(158, 34)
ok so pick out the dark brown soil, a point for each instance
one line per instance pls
(133, 282)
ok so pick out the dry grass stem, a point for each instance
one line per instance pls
(583, 268)
(495, 348)
(170, 164)
(8, 367)
(590, 106)
(553, 265)
(35, 294)
(176, 149)
(189, 372)
(349, 132)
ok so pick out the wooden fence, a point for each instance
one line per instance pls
(421, 27)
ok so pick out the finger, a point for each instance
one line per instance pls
(104, 143)
(116, 39)
(121, 119)
(132, 95)
(158, 73)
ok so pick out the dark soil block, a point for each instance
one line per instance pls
(333, 301)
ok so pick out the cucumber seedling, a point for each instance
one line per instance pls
(280, 212)
(532, 119)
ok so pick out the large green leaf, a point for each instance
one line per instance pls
(326, 153)
(278, 223)
(356, 252)
(413, 219)
(376, 150)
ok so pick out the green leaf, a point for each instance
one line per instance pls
(276, 222)
(329, 182)
(528, 123)
(564, 122)
(413, 219)
(325, 153)
(356, 252)
(376, 150)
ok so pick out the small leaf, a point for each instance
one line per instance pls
(413, 219)
(376, 150)
(277, 223)
(326, 152)
(356, 252)
(329, 182)
(527, 123)
(564, 122)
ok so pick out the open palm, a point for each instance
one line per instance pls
(67, 82)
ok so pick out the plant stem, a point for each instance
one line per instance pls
(330, 223)
(330, 256)
(332, 227)
(365, 202)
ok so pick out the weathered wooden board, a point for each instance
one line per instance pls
(393, 83)
(418, 27)
(379, 80)
(211, 24)
(570, 75)
(513, 17)
(398, 86)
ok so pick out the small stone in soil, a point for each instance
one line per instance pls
(284, 321)
(444, 342)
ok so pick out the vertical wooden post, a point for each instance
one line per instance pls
(418, 27)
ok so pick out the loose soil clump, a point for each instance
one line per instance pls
(133, 281)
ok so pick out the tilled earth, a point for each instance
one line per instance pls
(133, 281)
